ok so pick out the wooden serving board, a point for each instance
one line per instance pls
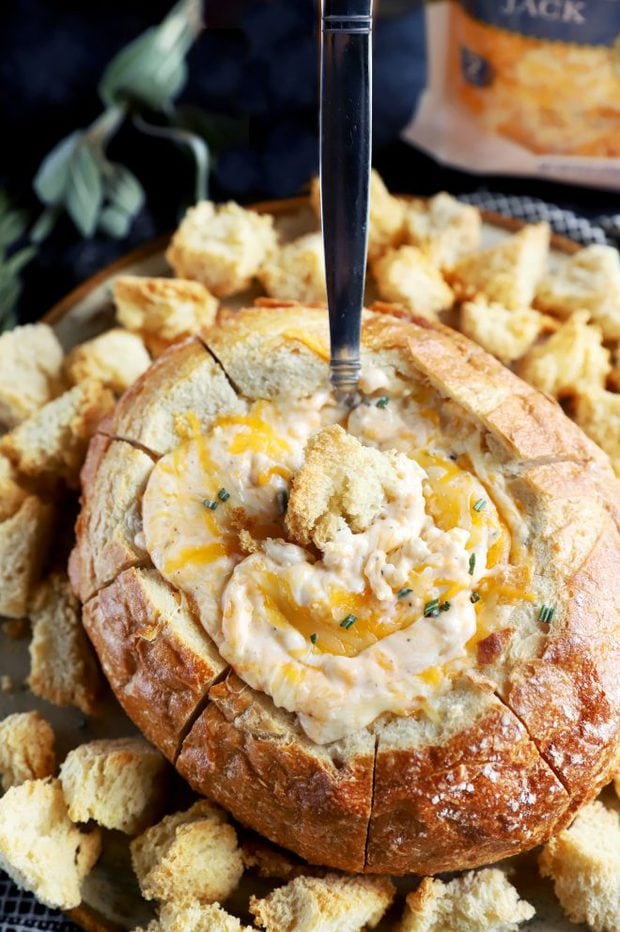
(111, 897)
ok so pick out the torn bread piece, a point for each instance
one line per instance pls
(24, 541)
(296, 271)
(63, 668)
(442, 227)
(341, 483)
(163, 311)
(40, 848)
(385, 215)
(52, 443)
(30, 371)
(406, 276)
(194, 917)
(508, 272)
(334, 903)
(506, 334)
(597, 412)
(584, 863)
(120, 783)
(26, 748)
(477, 901)
(588, 280)
(116, 359)
(572, 356)
(12, 494)
(190, 855)
(221, 246)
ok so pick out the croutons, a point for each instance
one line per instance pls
(118, 783)
(589, 280)
(194, 917)
(385, 215)
(223, 247)
(40, 848)
(296, 271)
(188, 856)
(26, 748)
(30, 371)
(571, 356)
(506, 334)
(508, 272)
(116, 359)
(598, 414)
(443, 228)
(24, 539)
(52, 442)
(163, 310)
(62, 665)
(333, 902)
(405, 275)
(341, 483)
(477, 901)
(584, 864)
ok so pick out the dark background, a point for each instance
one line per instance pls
(256, 60)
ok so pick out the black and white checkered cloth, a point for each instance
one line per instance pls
(19, 911)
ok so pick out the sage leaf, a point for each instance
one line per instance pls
(115, 222)
(123, 189)
(84, 193)
(52, 177)
(151, 70)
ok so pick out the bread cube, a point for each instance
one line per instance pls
(406, 276)
(443, 228)
(119, 783)
(26, 748)
(40, 848)
(30, 371)
(334, 902)
(296, 271)
(221, 246)
(24, 540)
(598, 414)
(190, 855)
(477, 901)
(571, 357)
(589, 280)
(508, 272)
(506, 334)
(163, 311)
(116, 359)
(584, 863)
(194, 917)
(52, 443)
(63, 668)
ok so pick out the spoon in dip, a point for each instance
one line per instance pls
(345, 155)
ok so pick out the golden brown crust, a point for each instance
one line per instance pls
(159, 661)
(242, 740)
(535, 731)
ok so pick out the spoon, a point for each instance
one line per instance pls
(345, 131)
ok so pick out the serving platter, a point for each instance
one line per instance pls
(111, 896)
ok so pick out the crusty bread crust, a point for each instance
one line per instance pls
(509, 753)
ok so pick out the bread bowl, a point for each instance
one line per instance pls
(459, 763)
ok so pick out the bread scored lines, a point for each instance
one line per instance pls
(464, 731)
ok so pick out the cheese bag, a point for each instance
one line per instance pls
(524, 87)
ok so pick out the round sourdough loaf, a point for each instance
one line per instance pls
(505, 741)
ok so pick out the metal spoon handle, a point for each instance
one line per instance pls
(345, 176)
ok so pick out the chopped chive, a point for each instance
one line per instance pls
(431, 609)
(348, 622)
(223, 495)
(404, 593)
(444, 606)
(282, 499)
(472, 563)
(546, 613)
(480, 504)
(314, 638)
(383, 402)
(210, 503)
(474, 597)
